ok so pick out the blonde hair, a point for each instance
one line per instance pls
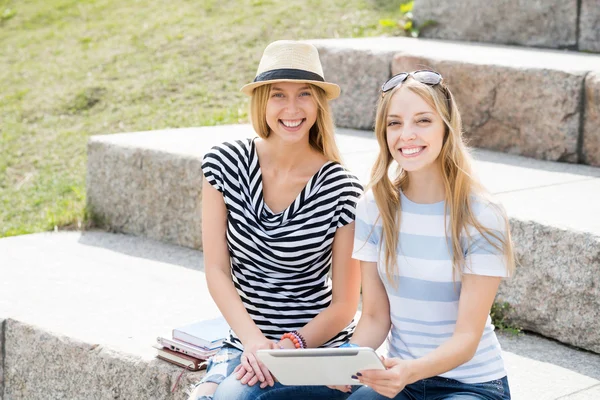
(321, 135)
(459, 183)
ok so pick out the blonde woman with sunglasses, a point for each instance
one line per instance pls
(433, 249)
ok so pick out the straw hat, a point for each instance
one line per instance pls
(291, 61)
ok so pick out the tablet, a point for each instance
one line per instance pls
(319, 366)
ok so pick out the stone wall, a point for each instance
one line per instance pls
(359, 74)
(591, 130)
(69, 369)
(556, 289)
(548, 23)
(534, 113)
(531, 102)
(589, 26)
(160, 198)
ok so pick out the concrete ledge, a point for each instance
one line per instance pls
(591, 130)
(589, 394)
(521, 101)
(91, 304)
(555, 24)
(526, 112)
(556, 291)
(41, 365)
(153, 211)
(152, 187)
(549, 23)
(360, 75)
(533, 361)
(589, 26)
(89, 308)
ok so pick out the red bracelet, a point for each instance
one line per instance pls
(297, 340)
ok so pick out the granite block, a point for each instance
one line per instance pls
(149, 183)
(589, 26)
(556, 289)
(360, 74)
(64, 368)
(591, 128)
(525, 111)
(548, 23)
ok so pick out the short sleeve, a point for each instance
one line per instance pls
(212, 168)
(481, 256)
(347, 205)
(367, 233)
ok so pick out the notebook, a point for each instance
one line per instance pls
(208, 334)
(183, 360)
(186, 348)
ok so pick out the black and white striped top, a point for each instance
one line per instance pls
(280, 262)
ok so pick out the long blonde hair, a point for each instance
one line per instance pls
(321, 136)
(459, 183)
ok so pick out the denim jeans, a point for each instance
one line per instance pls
(220, 368)
(438, 388)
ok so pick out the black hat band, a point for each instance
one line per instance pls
(288, 73)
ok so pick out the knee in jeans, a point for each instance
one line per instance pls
(232, 388)
(203, 391)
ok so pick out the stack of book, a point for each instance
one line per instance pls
(191, 345)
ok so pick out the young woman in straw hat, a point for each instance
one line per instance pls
(278, 216)
(433, 248)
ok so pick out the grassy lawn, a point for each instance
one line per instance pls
(74, 68)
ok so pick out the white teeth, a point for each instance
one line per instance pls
(291, 124)
(413, 150)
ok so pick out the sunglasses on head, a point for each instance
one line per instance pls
(424, 76)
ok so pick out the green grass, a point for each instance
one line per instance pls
(501, 319)
(74, 68)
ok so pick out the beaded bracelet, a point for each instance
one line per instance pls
(296, 338)
(289, 335)
(302, 340)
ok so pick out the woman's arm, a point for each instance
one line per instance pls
(346, 293)
(476, 298)
(218, 276)
(374, 324)
(217, 265)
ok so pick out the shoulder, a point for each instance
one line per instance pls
(337, 173)
(367, 207)
(489, 212)
(368, 199)
(235, 149)
(225, 161)
(228, 157)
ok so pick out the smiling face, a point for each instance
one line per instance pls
(414, 131)
(291, 111)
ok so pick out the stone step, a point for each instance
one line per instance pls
(149, 184)
(91, 304)
(572, 24)
(83, 310)
(543, 104)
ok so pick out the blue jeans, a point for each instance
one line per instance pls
(220, 369)
(438, 388)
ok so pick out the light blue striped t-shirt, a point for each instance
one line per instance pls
(424, 299)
